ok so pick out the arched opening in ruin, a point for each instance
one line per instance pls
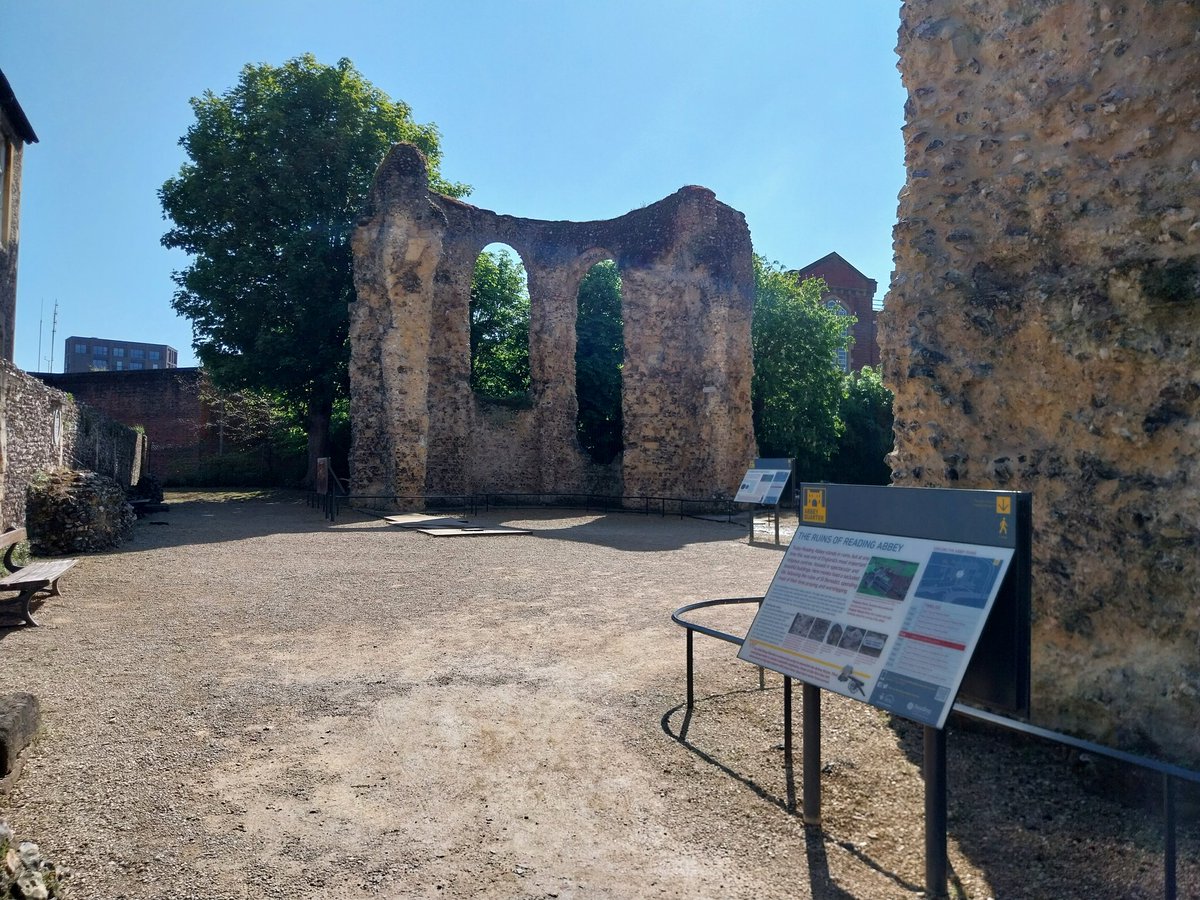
(499, 317)
(599, 359)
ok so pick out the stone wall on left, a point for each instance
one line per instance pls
(42, 428)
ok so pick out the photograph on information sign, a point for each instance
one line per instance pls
(887, 578)
(885, 619)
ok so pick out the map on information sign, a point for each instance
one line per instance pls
(889, 620)
(763, 486)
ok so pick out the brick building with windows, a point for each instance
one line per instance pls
(850, 293)
(88, 354)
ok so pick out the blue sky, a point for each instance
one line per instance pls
(555, 109)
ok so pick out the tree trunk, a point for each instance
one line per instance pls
(319, 414)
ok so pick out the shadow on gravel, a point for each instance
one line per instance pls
(627, 531)
(820, 882)
(1016, 798)
(203, 521)
(617, 531)
(10, 618)
(640, 534)
(198, 520)
(1025, 812)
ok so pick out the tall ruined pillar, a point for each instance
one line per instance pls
(391, 328)
(552, 292)
(1041, 330)
(688, 301)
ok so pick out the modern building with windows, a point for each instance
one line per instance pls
(850, 293)
(89, 354)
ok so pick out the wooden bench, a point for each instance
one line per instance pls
(29, 580)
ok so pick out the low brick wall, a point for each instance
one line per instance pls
(166, 403)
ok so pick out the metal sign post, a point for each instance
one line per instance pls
(885, 596)
(763, 485)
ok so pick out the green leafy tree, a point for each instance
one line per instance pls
(278, 169)
(797, 385)
(499, 328)
(599, 356)
(866, 412)
(253, 440)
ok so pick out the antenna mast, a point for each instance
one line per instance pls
(53, 332)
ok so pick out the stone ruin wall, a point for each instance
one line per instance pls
(687, 297)
(1041, 329)
(43, 429)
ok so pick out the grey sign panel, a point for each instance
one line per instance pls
(763, 463)
(999, 674)
(990, 518)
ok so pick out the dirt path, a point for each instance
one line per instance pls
(249, 702)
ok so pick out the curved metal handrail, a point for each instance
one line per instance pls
(1168, 771)
(677, 617)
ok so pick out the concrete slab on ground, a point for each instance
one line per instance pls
(471, 530)
(419, 520)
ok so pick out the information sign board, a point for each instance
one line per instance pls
(775, 489)
(752, 488)
(886, 619)
(764, 486)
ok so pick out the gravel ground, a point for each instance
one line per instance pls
(246, 701)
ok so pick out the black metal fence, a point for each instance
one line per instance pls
(934, 767)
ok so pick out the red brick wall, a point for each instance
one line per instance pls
(165, 402)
